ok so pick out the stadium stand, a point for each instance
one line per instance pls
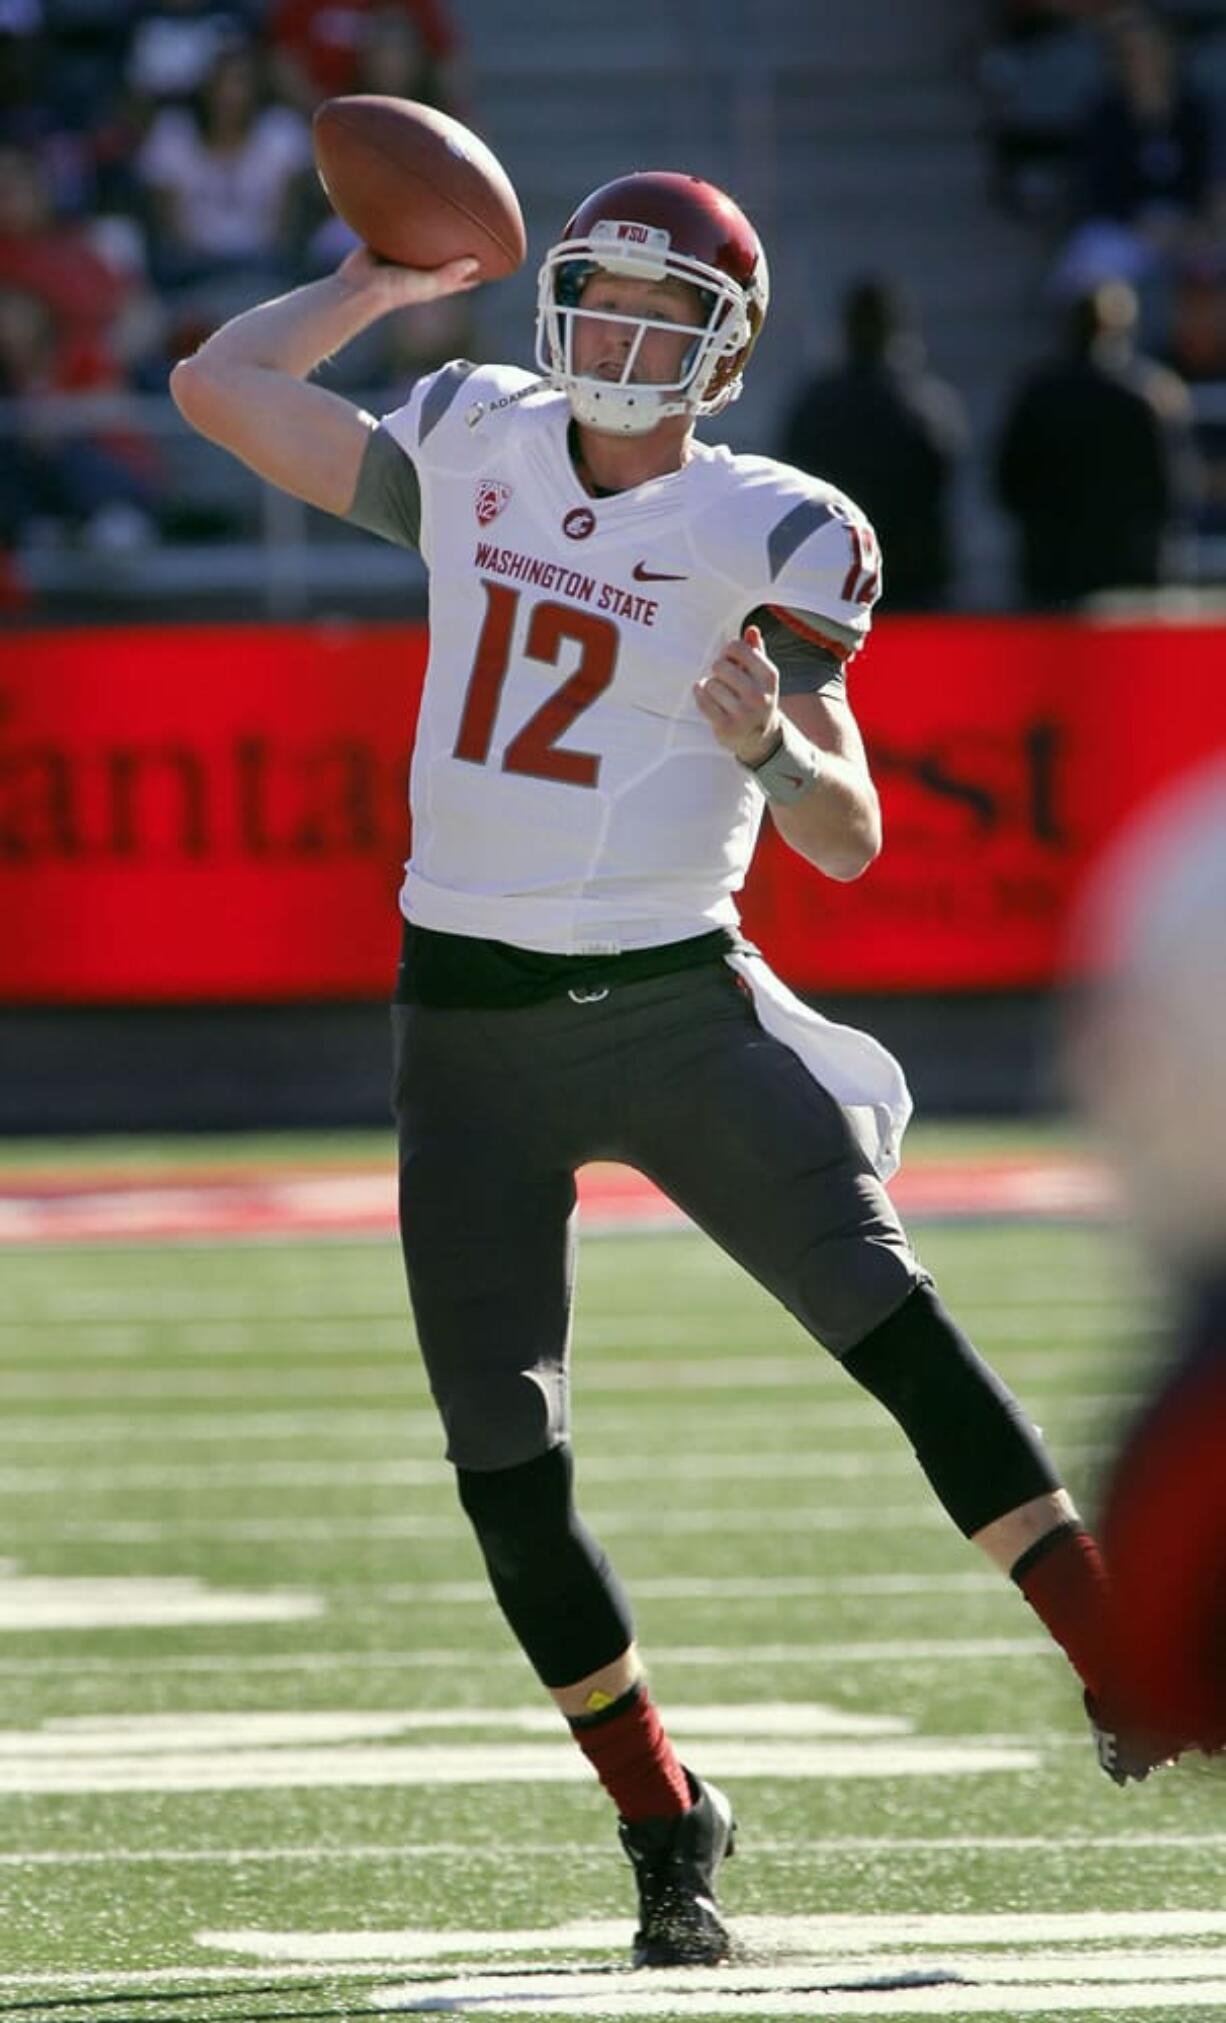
(858, 138)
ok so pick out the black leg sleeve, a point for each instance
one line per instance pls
(978, 1449)
(552, 1581)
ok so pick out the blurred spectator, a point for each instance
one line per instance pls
(1147, 1053)
(1197, 349)
(83, 51)
(889, 434)
(320, 47)
(1041, 76)
(89, 277)
(175, 44)
(1095, 461)
(1147, 156)
(1196, 339)
(1147, 172)
(49, 101)
(221, 173)
(69, 464)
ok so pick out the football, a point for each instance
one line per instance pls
(416, 186)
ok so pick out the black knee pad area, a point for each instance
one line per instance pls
(978, 1449)
(552, 1581)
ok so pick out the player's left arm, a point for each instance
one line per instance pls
(805, 750)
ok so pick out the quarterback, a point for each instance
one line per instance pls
(639, 647)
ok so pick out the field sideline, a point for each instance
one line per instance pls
(270, 1754)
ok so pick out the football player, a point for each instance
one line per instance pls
(639, 646)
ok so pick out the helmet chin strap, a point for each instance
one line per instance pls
(618, 410)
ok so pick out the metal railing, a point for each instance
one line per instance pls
(269, 555)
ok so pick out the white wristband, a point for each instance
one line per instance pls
(791, 769)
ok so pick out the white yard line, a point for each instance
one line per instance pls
(109, 1735)
(808, 1464)
(811, 1463)
(188, 1378)
(626, 1995)
(631, 1996)
(691, 1520)
(68, 1982)
(730, 1658)
(439, 1766)
(58, 1603)
(751, 1588)
(803, 1848)
(81, 1309)
(887, 1965)
(278, 1342)
(398, 1422)
(815, 1941)
(540, 1998)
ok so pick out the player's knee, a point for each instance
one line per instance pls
(553, 1583)
(497, 1421)
(849, 1286)
(524, 1516)
(972, 1439)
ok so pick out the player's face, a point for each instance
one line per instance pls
(612, 332)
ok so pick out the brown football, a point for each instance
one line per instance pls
(416, 185)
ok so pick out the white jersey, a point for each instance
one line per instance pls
(567, 795)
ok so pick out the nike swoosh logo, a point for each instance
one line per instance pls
(642, 574)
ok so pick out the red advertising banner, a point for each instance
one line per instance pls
(204, 813)
(1006, 752)
(213, 814)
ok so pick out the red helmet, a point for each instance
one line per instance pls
(656, 226)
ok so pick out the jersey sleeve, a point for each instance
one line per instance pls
(825, 572)
(436, 428)
(435, 425)
(797, 547)
(387, 500)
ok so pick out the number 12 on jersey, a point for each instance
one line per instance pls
(863, 580)
(534, 749)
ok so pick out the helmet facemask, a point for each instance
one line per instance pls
(709, 377)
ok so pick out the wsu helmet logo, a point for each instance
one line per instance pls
(492, 496)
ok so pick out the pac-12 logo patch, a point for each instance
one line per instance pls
(579, 523)
(492, 496)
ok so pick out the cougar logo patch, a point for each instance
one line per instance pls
(492, 496)
(579, 523)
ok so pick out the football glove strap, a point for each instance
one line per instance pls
(791, 768)
(981, 1454)
(552, 1582)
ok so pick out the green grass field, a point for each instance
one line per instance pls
(269, 1753)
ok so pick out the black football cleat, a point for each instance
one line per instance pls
(1126, 1758)
(675, 1861)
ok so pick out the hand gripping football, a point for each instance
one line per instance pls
(416, 186)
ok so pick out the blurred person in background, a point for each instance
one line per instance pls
(174, 45)
(90, 276)
(221, 174)
(1041, 72)
(890, 434)
(61, 93)
(71, 468)
(1095, 461)
(1148, 1060)
(1147, 172)
(322, 48)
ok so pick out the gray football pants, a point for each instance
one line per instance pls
(673, 1076)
